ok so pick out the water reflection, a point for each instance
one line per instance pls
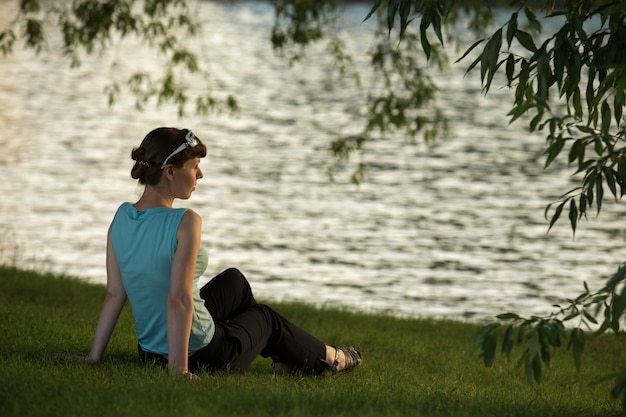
(453, 230)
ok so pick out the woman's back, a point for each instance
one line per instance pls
(144, 243)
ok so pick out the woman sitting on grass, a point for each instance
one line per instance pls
(154, 258)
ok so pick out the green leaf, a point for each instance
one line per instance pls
(582, 205)
(557, 330)
(590, 92)
(29, 6)
(436, 23)
(618, 100)
(405, 10)
(610, 181)
(578, 344)
(511, 28)
(373, 9)
(599, 193)
(532, 359)
(555, 148)
(606, 324)
(560, 58)
(590, 317)
(34, 34)
(508, 316)
(574, 312)
(519, 110)
(618, 106)
(606, 117)
(573, 215)
(510, 68)
(493, 52)
(577, 149)
(585, 129)
(424, 39)
(392, 8)
(619, 305)
(617, 277)
(544, 341)
(544, 74)
(479, 339)
(469, 50)
(528, 369)
(526, 40)
(522, 82)
(576, 101)
(532, 19)
(557, 214)
(473, 64)
(489, 349)
(484, 64)
(507, 341)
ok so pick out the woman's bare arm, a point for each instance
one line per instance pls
(180, 298)
(111, 308)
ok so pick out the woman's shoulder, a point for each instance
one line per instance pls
(125, 206)
(190, 223)
(190, 216)
(125, 209)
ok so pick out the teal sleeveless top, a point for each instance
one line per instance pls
(144, 244)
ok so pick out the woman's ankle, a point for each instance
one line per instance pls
(335, 358)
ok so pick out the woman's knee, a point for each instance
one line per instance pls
(235, 277)
(238, 283)
(233, 272)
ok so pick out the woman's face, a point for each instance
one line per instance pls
(185, 178)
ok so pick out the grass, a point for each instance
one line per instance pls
(411, 368)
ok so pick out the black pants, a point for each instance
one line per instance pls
(245, 329)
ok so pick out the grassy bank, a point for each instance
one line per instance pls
(411, 368)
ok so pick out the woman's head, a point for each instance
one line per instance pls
(161, 147)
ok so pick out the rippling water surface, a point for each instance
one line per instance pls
(454, 230)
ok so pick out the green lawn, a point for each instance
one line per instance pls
(410, 368)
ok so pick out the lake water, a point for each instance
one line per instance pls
(453, 230)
